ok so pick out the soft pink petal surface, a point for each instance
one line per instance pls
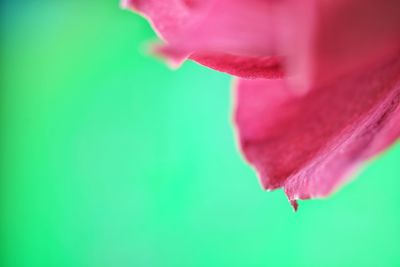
(309, 144)
(211, 31)
(319, 40)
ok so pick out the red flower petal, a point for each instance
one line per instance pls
(309, 144)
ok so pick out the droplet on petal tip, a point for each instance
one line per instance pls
(294, 204)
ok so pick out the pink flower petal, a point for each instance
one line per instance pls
(332, 52)
(222, 34)
(310, 144)
(246, 67)
(321, 40)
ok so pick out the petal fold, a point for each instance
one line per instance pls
(310, 144)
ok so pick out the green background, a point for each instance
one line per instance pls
(110, 159)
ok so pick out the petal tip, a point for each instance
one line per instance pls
(173, 58)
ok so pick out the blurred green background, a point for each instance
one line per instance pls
(110, 159)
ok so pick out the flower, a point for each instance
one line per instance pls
(318, 81)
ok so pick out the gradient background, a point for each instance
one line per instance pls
(110, 159)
